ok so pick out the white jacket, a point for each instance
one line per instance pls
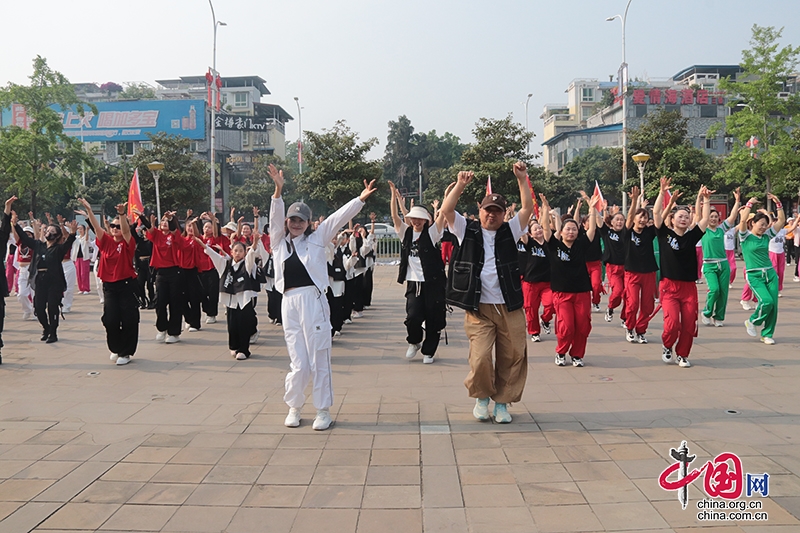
(310, 248)
(81, 243)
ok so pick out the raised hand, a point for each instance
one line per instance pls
(772, 197)
(188, 213)
(60, 219)
(276, 175)
(520, 170)
(373, 217)
(465, 177)
(9, 202)
(369, 188)
(737, 194)
(255, 213)
(73, 226)
(123, 208)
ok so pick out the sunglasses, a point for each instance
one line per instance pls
(114, 226)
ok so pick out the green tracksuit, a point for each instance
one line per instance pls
(762, 278)
(717, 271)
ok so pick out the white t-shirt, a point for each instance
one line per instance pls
(490, 283)
(414, 271)
(730, 238)
(776, 243)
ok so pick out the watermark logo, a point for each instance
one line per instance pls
(723, 477)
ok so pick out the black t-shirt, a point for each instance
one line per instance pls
(639, 255)
(537, 264)
(614, 242)
(677, 253)
(595, 251)
(522, 256)
(568, 271)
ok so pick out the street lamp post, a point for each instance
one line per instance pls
(641, 160)
(300, 136)
(624, 73)
(213, 103)
(156, 167)
(528, 99)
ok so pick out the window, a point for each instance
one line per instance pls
(587, 94)
(708, 111)
(124, 149)
(102, 146)
(239, 99)
(245, 138)
(673, 108)
(193, 146)
(586, 112)
(710, 143)
(146, 145)
(641, 110)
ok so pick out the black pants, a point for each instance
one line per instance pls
(144, 278)
(2, 317)
(796, 259)
(242, 324)
(192, 296)
(336, 303)
(789, 249)
(121, 316)
(210, 282)
(367, 300)
(47, 302)
(274, 301)
(422, 305)
(353, 295)
(169, 297)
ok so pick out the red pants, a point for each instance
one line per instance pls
(574, 323)
(732, 263)
(779, 264)
(82, 271)
(447, 251)
(679, 302)
(699, 252)
(536, 294)
(616, 279)
(596, 275)
(640, 288)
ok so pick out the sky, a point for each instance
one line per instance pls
(442, 63)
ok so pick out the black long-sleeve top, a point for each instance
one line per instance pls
(46, 262)
(5, 231)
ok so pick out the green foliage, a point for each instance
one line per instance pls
(603, 165)
(105, 185)
(257, 189)
(184, 182)
(42, 161)
(335, 167)
(760, 113)
(138, 91)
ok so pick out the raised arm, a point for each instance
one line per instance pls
(731, 220)
(544, 214)
(746, 213)
(634, 196)
(438, 217)
(592, 229)
(658, 207)
(393, 203)
(781, 222)
(705, 212)
(451, 200)
(525, 211)
(99, 231)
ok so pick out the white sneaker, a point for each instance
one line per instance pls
(666, 354)
(535, 338)
(66, 310)
(293, 418)
(561, 360)
(718, 323)
(768, 340)
(161, 336)
(113, 357)
(641, 339)
(623, 324)
(240, 356)
(26, 316)
(233, 353)
(411, 353)
(751, 329)
(172, 339)
(348, 321)
(254, 338)
(745, 305)
(211, 320)
(358, 314)
(577, 362)
(193, 330)
(323, 420)
(428, 360)
(683, 362)
(481, 410)
(123, 360)
(609, 316)
(707, 320)
(730, 285)
(501, 414)
(630, 336)
(595, 308)
(337, 333)
(796, 279)
(780, 295)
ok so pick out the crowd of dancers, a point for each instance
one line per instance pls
(517, 273)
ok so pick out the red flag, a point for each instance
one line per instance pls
(209, 81)
(300, 152)
(667, 198)
(219, 86)
(489, 186)
(598, 192)
(134, 197)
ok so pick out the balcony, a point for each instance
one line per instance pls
(560, 118)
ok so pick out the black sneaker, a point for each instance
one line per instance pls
(546, 327)
(44, 336)
(609, 315)
(630, 336)
(51, 339)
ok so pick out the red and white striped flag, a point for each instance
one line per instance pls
(598, 192)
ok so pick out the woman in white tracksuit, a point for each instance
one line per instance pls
(301, 275)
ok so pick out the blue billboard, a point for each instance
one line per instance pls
(125, 121)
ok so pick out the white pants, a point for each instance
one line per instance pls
(307, 329)
(71, 275)
(25, 293)
(99, 284)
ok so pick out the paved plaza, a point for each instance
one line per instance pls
(185, 439)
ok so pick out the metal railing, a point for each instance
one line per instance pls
(387, 249)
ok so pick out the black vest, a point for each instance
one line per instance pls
(362, 260)
(429, 256)
(234, 281)
(336, 271)
(464, 279)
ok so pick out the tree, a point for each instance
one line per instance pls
(603, 165)
(760, 113)
(400, 163)
(258, 187)
(335, 166)
(40, 160)
(183, 184)
(138, 91)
